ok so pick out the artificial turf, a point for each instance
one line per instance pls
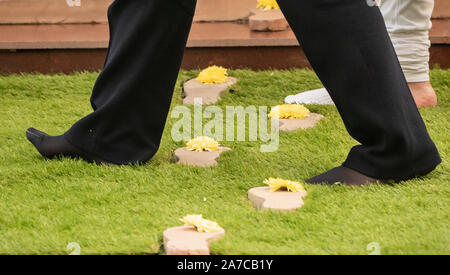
(45, 205)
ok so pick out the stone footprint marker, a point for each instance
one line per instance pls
(310, 121)
(209, 86)
(185, 240)
(201, 151)
(209, 93)
(184, 156)
(293, 117)
(263, 199)
(193, 238)
(280, 195)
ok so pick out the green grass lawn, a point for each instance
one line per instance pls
(44, 205)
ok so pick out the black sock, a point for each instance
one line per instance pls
(57, 146)
(342, 175)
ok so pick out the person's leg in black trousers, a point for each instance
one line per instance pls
(345, 41)
(348, 46)
(132, 95)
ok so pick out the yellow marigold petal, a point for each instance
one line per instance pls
(201, 224)
(209, 226)
(213, 75)
(267, 4)
(289, 111)
(290, 186)
(202, 144)
(192, 220)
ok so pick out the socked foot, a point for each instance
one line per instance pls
(423, 93)
(57, 146)
(342, 175)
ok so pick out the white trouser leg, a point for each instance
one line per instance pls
(408, 23)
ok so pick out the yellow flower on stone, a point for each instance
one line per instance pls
(289, 111)
(213, 75)
(277, 184)
(202, 144)
(201, 224)
(268, 5)
(192, 220)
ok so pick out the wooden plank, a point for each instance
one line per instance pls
(257, 58)
(441, 9)
(52, 11)
(94, 36)
(58, 11)
(94, 11)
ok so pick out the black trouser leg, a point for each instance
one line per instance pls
(348, 46)
(132, 95)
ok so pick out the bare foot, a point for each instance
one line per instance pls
(423, 93)
(342, 175)
(57, 146)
